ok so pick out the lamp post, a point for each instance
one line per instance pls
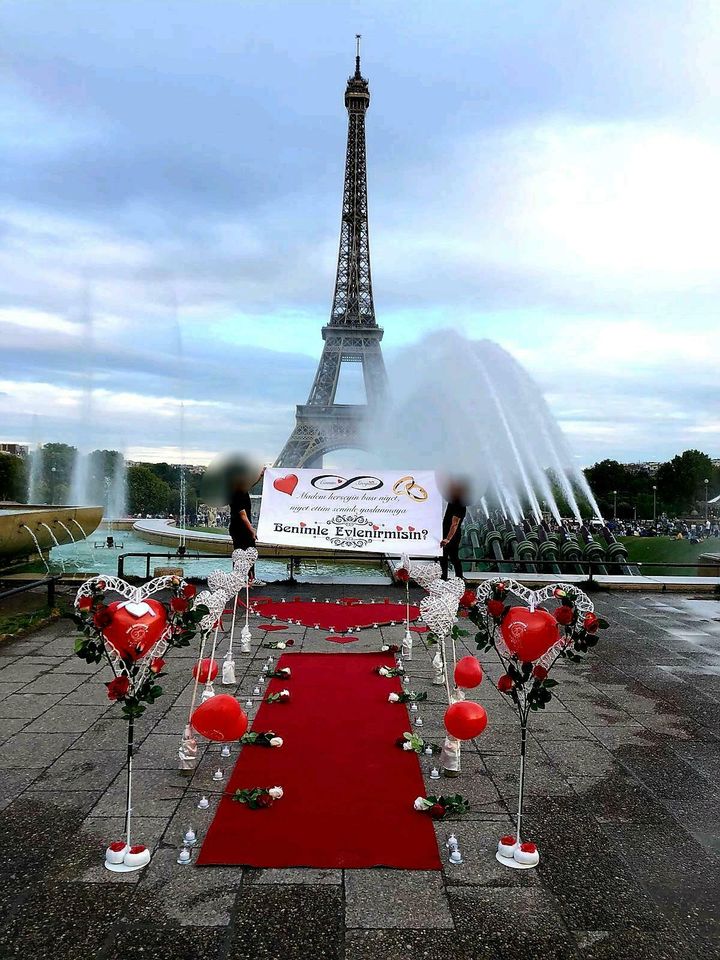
(53, 471)
(614, 504)
(706, 497)
(654, 503)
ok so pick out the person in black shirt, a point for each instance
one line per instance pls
(241, 529)
(452, 526)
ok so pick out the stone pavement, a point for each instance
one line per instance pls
(623, 802)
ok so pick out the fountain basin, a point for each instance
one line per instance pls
(19, 522)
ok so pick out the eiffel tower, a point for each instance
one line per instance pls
(352, 335)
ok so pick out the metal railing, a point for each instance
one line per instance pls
(294, 561)
(48, 582)
(588, 567)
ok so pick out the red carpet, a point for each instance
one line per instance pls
(334, 638)
(338, 616)
(349, 790)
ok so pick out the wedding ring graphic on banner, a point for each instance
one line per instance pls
(411, 488)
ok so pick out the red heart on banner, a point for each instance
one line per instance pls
(286, 484)
(411, 529)
(302, 523)
(375, 528)
(398, 529)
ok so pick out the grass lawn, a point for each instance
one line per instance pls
(208, 529)
(645, 550)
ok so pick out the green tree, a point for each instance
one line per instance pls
(147, 493)
(681, 482)
(13, 479)
(57, 465)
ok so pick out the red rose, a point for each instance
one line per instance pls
(84, 603)
(507, 840)
(468, 599)
(505, 683)
(290, 642)
(264, 800)
(156, 664)
(103, 618)
(495, 608)
(118, 688)
(437, 811)
(188, 591)
(564, 615)
(528, 848)
(402, 575)
(179, 604)
(540, 673)
(101, 585)
(117, 845)
(140, 848)
(591, 623)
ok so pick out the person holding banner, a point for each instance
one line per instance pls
(240, 528)
(452, 526)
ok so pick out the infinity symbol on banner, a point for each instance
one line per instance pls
(413, 490)
(330, 481)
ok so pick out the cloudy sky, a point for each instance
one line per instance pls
(544, 174)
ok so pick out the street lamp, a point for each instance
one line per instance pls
(654, 503)
(614, 504)
(706, 497)
(53, 470)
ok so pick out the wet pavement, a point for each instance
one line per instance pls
(623, 801)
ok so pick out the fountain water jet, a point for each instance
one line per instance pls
(470, 408)
(37, 545)
(54, 540)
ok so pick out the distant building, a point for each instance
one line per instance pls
(15, 449)
(649, 466)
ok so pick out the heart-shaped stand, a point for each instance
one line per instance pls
(139, 635)
(507, 854)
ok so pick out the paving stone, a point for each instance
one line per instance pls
(81, 769)
(166, 941)
(292, 922)
(294, 875)
(29, 706)
(54, 683)
(397, 944)
(69, 717)
(30, 750)
(390, 898)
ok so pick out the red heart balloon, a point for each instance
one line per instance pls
(206, 670)
(529, 633)
(286, 484)
(465, 719)
(468, 672)
(221, 718)
(133, 636)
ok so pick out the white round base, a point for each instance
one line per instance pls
(123, 867)
(511, 862)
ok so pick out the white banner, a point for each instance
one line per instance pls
(391, 511)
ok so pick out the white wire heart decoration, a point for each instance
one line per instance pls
(243, 560)
(453, 588)
(439, 612)
(215, 602)
(229, 583)
(425, 572)
(533, 599)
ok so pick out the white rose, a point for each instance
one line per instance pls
(284, 693)
(275, 792)
(280, 645)
(286, 671)
(276, 741)
(422, 804)
(384, 647)
(393, 698)
(407, 745)
(383, 671)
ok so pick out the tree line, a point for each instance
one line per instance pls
(154, 488)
